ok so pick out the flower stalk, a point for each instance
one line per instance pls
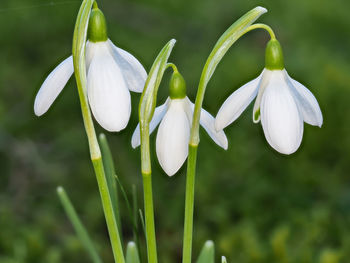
(231, 35)
(79, 40)
(146, 111)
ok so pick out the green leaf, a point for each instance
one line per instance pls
(207, 254)
(223, 259)
(142, 222)
(148, 102)
(132, 255)
(135, 217)
(78, 51)
(149, 94)
(78, 225)
(230, 36)
(108, 165)
(79, 40)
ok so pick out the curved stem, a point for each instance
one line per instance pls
(230, 36)
(261, 26)
(173, 66)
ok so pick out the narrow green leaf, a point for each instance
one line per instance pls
(79, 39)
(108, 165)
(231, 35)
(135, 208)
(135, 219)
(207, 254)
(228, 38)
(78, 51)
(78, 225)
(149, 94)
(223, 259)
(126, 199)
(131, 210)
(148, 102)
(132, 254)
(142, 222)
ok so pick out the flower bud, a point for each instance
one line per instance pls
(97, 26)
(274, 55)
(177, 87)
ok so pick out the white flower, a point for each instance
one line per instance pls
(283, 104)
(111, 73)
(175, 118)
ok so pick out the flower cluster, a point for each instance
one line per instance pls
(282, 104)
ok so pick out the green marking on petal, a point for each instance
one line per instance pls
(257, 115)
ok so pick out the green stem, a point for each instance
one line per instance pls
(261, 26)
(149, 218)
(173, 67)
(108, 211)
(79, 40)
(148, 194)
(230, 36)
(189, 203)
(146, 111)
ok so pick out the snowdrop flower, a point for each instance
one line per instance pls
(111, 74)
(282, 103)
(175, 118)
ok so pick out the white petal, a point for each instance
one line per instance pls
(108, 95)
(90, 49)
(173, 137)
(265, 78)
(208, 123)
(280, 117)
(53, 86)
(236, 103)
(308, 104)
(134, 73)
(159, 113)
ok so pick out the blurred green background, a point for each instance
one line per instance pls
(256, 205)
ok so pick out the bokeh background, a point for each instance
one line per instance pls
(256, 205)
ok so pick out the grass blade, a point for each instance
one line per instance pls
(132, 255)
(108, 165)
(207, 254)
(78, 225)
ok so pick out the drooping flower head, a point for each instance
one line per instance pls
(175, 118)
(282, 104)
(111, 74)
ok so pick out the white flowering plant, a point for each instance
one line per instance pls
(105, 75)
